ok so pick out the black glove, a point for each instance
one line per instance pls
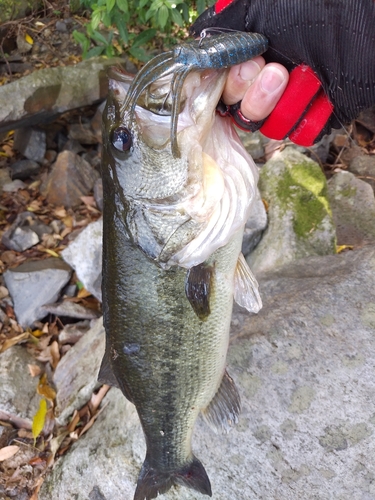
(335, 38)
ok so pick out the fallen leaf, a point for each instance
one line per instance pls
(83, 293)
(49, 251)
(34, 370)
(341, 248)
(15, 340)
(96, 399)
(39, 419)
(3, 292)
(8, 452)
(38, 484)
(54, 348)
(44, 389)
(28, 39)
(59, 212)
(38, 333)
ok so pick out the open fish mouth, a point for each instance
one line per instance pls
(207, 195)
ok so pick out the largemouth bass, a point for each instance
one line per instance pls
(175, 206)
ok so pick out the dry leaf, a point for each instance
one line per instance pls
(92, 420)
(3, 292)
(54, 349)
(8, 452)
(39, 419)
(59, 212)
(44, 389)
(96, 399)
(83, 293)
(15, 340)
(34, 370)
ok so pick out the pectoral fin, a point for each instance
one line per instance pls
(198, 289)
(223, 411)
(246, 292)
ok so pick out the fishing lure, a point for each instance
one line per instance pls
(209, 52)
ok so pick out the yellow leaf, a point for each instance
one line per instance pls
(83, 293)
(29, 39)
(341, 248)
(39, 419)
(37, 333)
(49, 251)
(8, 452)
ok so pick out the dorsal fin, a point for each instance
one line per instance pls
(223, 411)
(198, 289)
(246, 292)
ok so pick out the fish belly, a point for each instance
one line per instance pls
(166, 360)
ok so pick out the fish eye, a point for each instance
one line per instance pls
(121, 139)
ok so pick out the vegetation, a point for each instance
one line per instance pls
(116, 25)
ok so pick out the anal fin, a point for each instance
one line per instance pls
(106, 375)
(224, 409)
(246, 292)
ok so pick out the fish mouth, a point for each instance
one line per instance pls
(220, 181)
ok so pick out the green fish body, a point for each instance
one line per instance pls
(171, 266)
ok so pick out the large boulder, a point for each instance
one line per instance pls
(303, 366)
(299, 216)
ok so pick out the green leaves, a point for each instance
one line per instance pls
(118, 25)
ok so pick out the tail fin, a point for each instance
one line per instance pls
(152, 482)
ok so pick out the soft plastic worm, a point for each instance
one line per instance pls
(210, 52)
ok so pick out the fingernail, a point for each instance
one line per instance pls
(271, 80)
(249, 70)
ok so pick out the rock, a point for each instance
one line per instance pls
(61, 26)
(23, 45)
(70, 178)
(76, 374)
(254, 143)
(35, 284)
(364, 166)
(25, 232)
(82, 133)
(31, 143)
(13, 186)
(4, 177)
(353, 208)
(71, 310)
(18, 394)
(299, 216)
(307, 424)
(74, 146)
(46, 93)
(84, 255)
(98, 193)
(23, 169)
(17, 9)
(70, 334)
(255, 225)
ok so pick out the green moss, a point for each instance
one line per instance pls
(303, 189)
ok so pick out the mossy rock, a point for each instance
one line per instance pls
(16, 9)
(300, 218)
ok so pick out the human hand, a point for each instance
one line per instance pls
(328, 47)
